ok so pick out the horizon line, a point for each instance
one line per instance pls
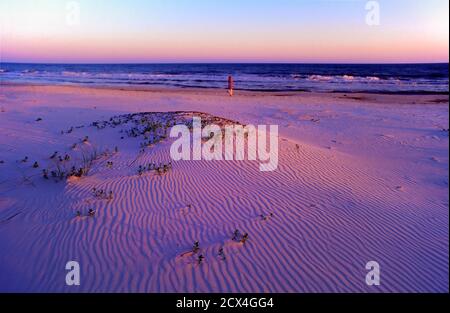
(225, 63)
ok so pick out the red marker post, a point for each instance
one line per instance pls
(230, 85)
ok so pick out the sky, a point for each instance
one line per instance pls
(167, 31)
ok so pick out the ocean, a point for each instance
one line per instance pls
(374, 78)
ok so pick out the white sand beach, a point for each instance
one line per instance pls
(361, 177)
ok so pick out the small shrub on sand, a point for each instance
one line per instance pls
(196, 247)
(160, 169)
(235, 235)
(222, 254)
(102, 194)
(87, 159)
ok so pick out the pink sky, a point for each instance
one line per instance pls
(299, 31)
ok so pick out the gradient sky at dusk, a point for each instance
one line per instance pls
(134, 31)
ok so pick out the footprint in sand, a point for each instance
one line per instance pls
(435, 159)
(186, 254)
(190, 258)
(10, 218)
(265, 217)
(387, 137)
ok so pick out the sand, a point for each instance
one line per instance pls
(361, 177)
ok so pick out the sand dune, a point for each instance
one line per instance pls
(312, 224)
